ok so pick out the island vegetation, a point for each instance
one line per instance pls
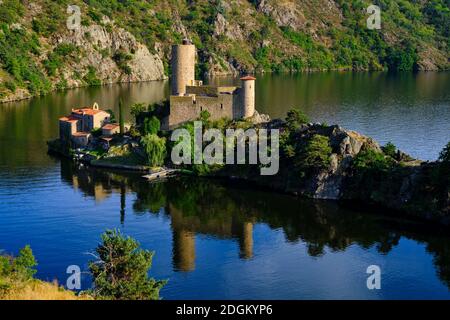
(120, 272)
(317, 161)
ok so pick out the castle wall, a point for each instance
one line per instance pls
(183, 68)
(202, 90)
(188, 108)
(219, 107)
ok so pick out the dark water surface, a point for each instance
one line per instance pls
(214, 240)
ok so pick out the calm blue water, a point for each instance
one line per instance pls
(213, 240)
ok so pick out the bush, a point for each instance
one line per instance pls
(295, 118)
(24, 263)
(390, 150)
(444, 167)
(91, 77)
(315, 154)
(372, 160)
(137, 109)
(97, 132)
(152, 125)
(112, 118)
(17, 269)
(155, 148)
(122, 270)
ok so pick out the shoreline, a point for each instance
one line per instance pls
(261, 73)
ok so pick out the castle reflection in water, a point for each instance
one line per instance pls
(198, 207)
(153, 198)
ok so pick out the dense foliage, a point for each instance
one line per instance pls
(16, 270)
(122, 270)
(253, 38)
(155, 149)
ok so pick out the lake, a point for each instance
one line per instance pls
(217, 240)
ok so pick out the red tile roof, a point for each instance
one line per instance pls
(80, 134)
(88, 111)
(110, 126)
(248, 78)
(68, 119)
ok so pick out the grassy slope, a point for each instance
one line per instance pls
(39, 290)
(321, 35)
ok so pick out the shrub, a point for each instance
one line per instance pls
(295, 118)
(137, 109)
(314, 155)
(112, 118)
(122, 270)
(444, 167)
(205, 116)
(21, 267)
(96, 132)
(152, 125)
(372, 160)
(390, 150)
(24, 263)
(91, 77)
(155, 148)
(122, 58)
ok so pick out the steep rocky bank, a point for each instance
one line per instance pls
(126, 41)
(357, 169)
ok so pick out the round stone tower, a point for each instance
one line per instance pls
(183, 67)
(248, 96)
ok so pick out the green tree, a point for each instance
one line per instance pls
(315, 154)
(390, 150)
(21, 267)
(152, 125)
(112, 114)
(25, 263)
(155, 148)
(122, 270)
(295, 118)
(137, 109)
(371, 160)
(121, 118)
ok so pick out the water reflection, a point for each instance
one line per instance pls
(215, 209)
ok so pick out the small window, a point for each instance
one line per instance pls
(221, 106)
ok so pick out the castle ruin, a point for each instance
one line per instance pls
(189, 97)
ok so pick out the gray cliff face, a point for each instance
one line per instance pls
(100, 46)
(97, 48)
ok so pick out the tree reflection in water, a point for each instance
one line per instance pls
(213, 208)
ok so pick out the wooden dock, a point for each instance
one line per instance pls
(162, 174)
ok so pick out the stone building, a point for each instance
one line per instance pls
(77, 127)
(190, 97)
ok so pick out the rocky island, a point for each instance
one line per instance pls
(314, 160)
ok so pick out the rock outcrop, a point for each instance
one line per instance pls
(100, 46)
(404, 184)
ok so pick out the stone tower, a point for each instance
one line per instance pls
(248, 96)
(183, 67)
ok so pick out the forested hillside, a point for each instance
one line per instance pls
(129, 40)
